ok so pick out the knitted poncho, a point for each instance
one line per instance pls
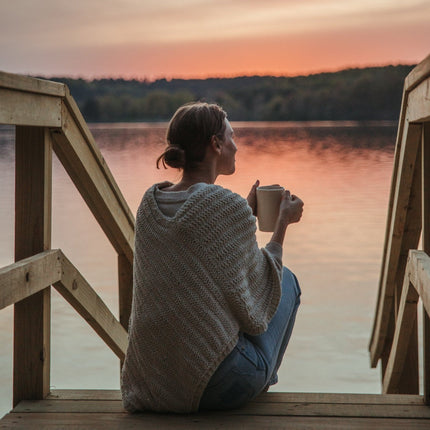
(199, 279)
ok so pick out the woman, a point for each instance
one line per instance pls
(212, 313)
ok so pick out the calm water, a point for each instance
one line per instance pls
(342, 172)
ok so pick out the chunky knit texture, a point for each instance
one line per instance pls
(199, 279)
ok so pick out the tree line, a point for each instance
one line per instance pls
(372, 93)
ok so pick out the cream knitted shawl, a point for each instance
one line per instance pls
(199, 279)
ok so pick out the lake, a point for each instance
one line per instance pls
(342, 171)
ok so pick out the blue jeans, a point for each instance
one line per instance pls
(254, 362)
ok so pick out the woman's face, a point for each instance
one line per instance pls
(227, 162)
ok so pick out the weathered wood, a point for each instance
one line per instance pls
(420, 275)
(125, 284)
(340, 398)
(80, 121)
(383, 351)
(33, 85)
(407, 380)
(33, 185)
(426, 248)
(76, 290)
(108, 421)
(20, 108)
(26, 277)
(96, 395)
(272, 409)
(125, 291)
(269, 397)
(412, 228)
(426, 356)
(418, 102)
(415, 107)
(86, 171)
(406, 320)
(418, 74)
(400, 195)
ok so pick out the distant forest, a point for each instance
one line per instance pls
(352, 94)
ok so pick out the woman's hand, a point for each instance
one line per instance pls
(252, 198)
(290, 211)
(291, 208)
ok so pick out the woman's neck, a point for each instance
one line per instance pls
(194, 176)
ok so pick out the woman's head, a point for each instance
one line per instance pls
(190, 132)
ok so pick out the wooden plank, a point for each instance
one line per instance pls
(269, 397)
(412, 227)
(407, 381)
(426, 356)
(21, 108)
(33, 85)
(380, 298)
(418, 102)
(420, 276)
(406, 320)
(90, 179)
(26, 277)
(91, 395)
(213, 420)
(382, 319)
(255, 409)
(81, 123)
(418, 74)
(76, 290)
(125, 291)
(341, 398)
(125, 285)
(400, 196)
(33, 188)
(426, 248)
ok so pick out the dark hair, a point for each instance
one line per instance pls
(189, 133)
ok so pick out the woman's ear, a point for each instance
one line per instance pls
(216, 144)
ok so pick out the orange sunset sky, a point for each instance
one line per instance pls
(200, 38)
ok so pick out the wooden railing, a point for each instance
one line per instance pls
(46, 119)
(405, 274)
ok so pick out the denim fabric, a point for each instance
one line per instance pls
(255, 360)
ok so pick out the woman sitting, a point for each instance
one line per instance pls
(212, 313)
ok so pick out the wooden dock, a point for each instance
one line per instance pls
(103, 410)
(48, 120)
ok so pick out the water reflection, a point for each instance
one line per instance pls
(342, 172)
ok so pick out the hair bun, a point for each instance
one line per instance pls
(174, 156)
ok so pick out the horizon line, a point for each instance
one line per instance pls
(219, 76)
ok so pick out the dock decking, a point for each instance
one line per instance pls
(102, 409)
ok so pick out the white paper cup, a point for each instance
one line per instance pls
(268, 202)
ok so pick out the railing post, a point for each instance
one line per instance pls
(125, 285)
(33, 174)
(408, 380)
(426, 248)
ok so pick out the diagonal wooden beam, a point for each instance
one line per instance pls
(406, 318)
(416, 285)
(89, 172)
(27, 277)
(78, 292)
